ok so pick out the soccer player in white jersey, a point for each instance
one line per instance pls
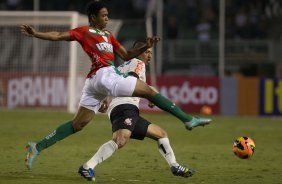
(127, 123)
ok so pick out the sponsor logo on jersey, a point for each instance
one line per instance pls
(128, 121)
(104, 47)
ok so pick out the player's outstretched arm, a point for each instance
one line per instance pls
(28, 30)
(135, 52)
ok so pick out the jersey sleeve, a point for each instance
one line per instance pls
(75, 34)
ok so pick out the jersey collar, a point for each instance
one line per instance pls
(98, 32)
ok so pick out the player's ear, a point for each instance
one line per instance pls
(93, 18)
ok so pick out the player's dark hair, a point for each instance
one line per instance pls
(139, 43)
(93, 8)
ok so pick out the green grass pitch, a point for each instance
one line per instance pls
(207, 150)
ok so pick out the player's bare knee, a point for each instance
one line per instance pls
(159, 135)
(163, 134)
(78, 125)
(151, 92)
(121, 140)
(77, 128)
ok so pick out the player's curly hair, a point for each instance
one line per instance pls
(93, 8)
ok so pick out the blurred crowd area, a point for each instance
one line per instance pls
(184, 19)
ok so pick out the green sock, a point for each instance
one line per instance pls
(60, 133)
(166, 105)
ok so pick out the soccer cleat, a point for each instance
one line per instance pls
(197, 122)
(182, 171)
(31, 154)
(87, 173)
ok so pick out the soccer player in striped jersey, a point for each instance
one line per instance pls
(127, 123)
(103, 79)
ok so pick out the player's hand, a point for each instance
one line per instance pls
(152, 40)
(27, 30)
(104, 107)
(151, 105)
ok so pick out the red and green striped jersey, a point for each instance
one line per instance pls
(99, 46)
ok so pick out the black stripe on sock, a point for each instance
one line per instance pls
(162, 147)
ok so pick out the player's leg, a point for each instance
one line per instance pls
(66, 129)
(89, 104)
(157, 133)
(123, 119)
(143, 90)
(120, 138)
(82, 117)
(139, 88)
(114, 84)
(104, 152)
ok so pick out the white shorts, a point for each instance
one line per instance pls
(107, 82)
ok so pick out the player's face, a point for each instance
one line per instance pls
(101, 20)
(146, 56)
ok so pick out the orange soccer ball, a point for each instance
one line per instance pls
(243, 147)
(206, 110)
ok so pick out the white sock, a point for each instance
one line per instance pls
(104, 152)
(167, 152)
